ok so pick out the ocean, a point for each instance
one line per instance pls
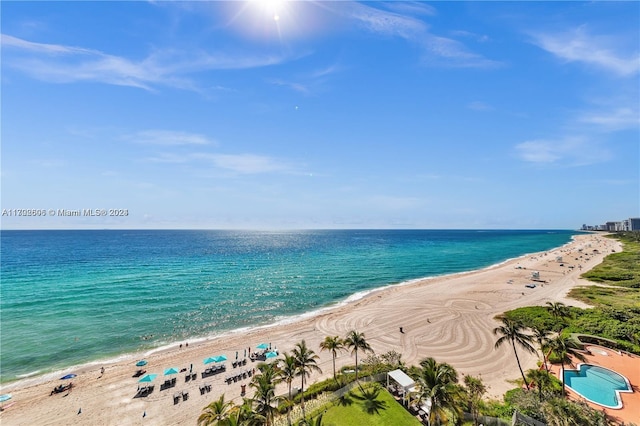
(74, 297)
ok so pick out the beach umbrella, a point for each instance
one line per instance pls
(262, 346)
(220, 358)
(210, 360)
(170, 371)
(68, 376)
(141, 363)
(5, 397)
(271, 354)
(148, 378)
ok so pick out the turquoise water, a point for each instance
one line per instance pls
(71, 297)
(597, 384)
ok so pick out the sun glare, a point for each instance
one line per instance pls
(271, 8)
(267, 20)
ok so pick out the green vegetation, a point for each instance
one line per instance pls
(360, 407)
(618, 297)
(553, 410)
(620, 269)
(616, 311)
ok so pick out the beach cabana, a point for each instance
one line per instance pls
(404, 382)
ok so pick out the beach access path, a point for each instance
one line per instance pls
(450, 318)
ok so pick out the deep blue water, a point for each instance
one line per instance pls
(70, 297)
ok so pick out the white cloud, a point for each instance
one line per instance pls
(438, 50)
(480, 38)
(479, 106)
(167, 137)
(602, 52)
(298, 87)
(570, 151)
(413, 7)
(537, 151)
(67, 64)
(245, 163)
(615, 119)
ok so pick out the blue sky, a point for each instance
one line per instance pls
(275, 115)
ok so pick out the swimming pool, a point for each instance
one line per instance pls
(597, 384)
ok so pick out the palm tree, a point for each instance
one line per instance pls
(265, 393)
(243, 415)
(216, 413)
(512, 331)
(565, 348)
(317, 421)
(541, 379)
(475, 389)
(541, 336)
(288, 370)
(438, 382)
(559, 311)
(356, 341)
(306, 362)
(333, 344)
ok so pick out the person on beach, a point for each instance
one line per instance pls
(401, 330)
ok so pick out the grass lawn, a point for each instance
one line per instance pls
(354, 414)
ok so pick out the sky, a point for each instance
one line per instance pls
(313, 115)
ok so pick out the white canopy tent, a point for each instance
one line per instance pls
(398, 376)
(407, 388)
(404, 382)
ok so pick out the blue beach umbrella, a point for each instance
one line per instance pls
(270, 354)
(141, 363)
(170, 371)
(5, 397)
(68, 376)
(220, 358)
(210, 360)
(263, 346)
(148, 378)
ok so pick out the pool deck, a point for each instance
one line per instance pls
(625, 364)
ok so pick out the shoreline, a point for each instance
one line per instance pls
(449, 317)
(35, 378)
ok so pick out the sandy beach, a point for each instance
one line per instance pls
(449, 318)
